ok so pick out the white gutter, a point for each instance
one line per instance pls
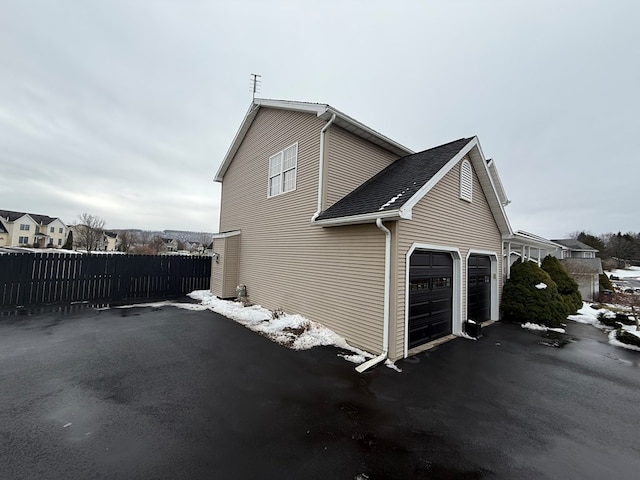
(387, 285)
(321, 168)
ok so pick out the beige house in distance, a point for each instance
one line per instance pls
(325, 217)
(31, 229)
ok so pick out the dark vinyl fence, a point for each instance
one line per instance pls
(32, 279)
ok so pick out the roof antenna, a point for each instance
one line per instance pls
(255, 84)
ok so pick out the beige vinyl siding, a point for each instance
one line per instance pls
(442, 218)
(351, 161)
(224, 272)
(217, 268)
(333, 276)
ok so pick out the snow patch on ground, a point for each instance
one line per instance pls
(541, 286)
(466, 336)
(293, 331)
(631, 272)
(614, 341)
(541, 328)
(589, 315)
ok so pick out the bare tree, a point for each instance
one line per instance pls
(156, 244)
(126, 239)
(89, 231)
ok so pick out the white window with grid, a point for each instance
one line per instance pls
(466, 181)
(23, 240)
(282, 171)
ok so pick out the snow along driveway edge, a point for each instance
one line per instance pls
(292, 331)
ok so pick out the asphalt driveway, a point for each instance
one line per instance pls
(172, 394)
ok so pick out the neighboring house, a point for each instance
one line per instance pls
(581, 263)
(108, 242)
(169, 245)
(325, 217)
(194, 247)
(30, 229)
(4, 236)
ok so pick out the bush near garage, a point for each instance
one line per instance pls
(523, 302)
(605, 282)
(567, 286)
(628, 338)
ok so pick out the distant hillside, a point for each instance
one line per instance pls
(179, 235)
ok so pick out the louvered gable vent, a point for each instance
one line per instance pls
(466, 181)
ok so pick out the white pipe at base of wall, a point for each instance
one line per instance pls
(387, 271)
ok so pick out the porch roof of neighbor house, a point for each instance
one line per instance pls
(394, 186)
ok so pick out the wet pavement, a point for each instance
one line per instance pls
(173, 394)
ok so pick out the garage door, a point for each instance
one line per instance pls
(430, 296)
(479, 288)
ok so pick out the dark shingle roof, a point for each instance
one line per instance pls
(591, 266)
(399, 181)
(2, 229)
(574, 244)
(13, 216)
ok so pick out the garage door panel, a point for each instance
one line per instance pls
(430, 296)
(479, 288)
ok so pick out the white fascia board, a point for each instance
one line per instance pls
(530, 242)
(492, 196)
(356, 219)
(493, 170)
(367, 133)
(317, 108)
(416, 197)
(232, 233)
(237, 140)
(321, 110)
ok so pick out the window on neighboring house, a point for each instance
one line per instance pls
(60, 230)
(24, 227)
(282, 171)
(52, 229)
(466, 181)
(23, 240)
(59, 241)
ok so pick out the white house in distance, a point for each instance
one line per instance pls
(21, 229)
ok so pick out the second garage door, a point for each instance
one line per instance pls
(430, 296)
(479, 288)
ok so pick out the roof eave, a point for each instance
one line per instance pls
(322, 111)
(359, 219)
(480, 166)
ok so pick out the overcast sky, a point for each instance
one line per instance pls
(125, 109)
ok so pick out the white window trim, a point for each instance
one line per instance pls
(282, 172)
(466, 181)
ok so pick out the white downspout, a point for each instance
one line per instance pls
(321, 168)
(387, 285)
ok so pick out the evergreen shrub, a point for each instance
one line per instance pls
(628, 338)
(567, 286)
(523, 302)
(605, 282)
